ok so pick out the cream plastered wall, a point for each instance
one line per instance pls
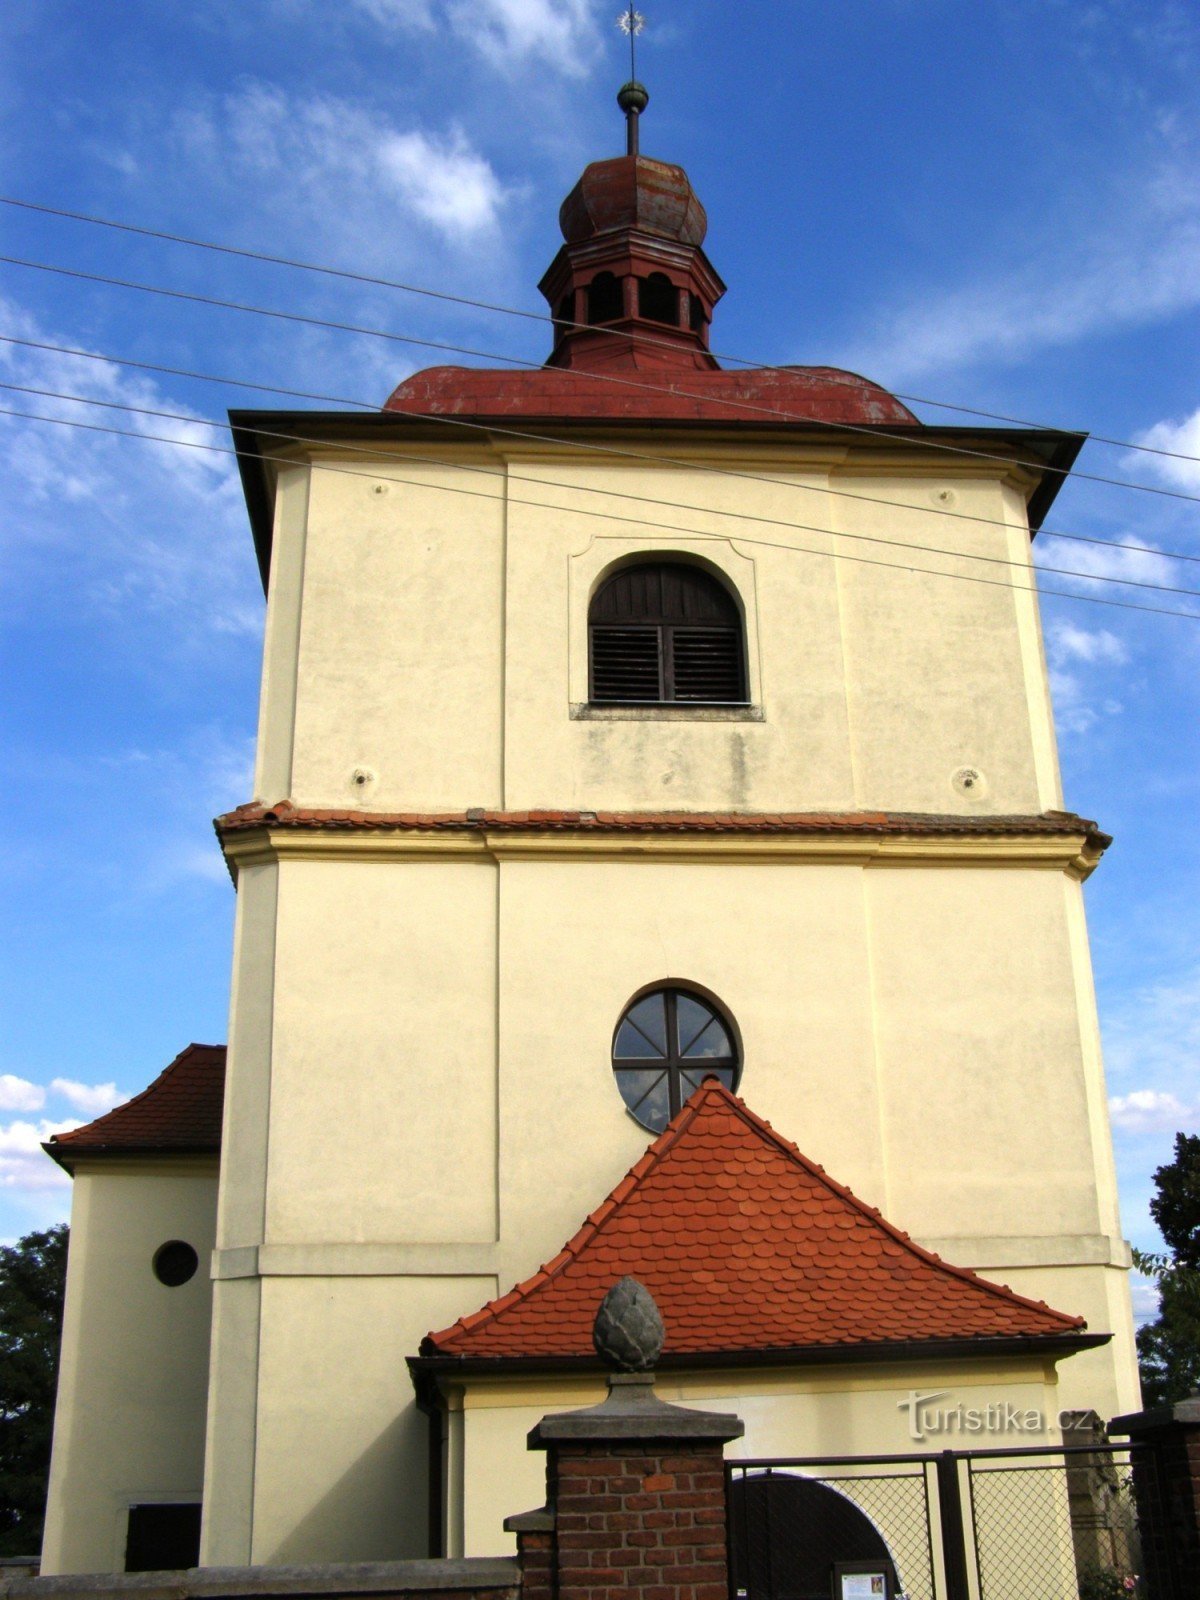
(420, 1105)
(427, 650)
(830, 1412)
(360, 1138)
(129, 1421)
(423, 1111)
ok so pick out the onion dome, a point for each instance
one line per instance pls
(633, 192)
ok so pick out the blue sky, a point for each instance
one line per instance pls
(994, 203)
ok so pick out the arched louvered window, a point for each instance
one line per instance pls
(604, 298)
(658, 299)
(666, 632)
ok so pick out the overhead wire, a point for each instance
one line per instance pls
(497, 429)
(472, 303)
(769, 413)
(610, 516)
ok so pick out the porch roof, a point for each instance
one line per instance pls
(748, 1246)
(180, 1113)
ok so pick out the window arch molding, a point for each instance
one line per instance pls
(597, 557)
(666, 628)
(669, 1037)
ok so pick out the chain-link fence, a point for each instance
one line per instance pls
(792, 1526)
(1029, 1524)
(1046, 1524)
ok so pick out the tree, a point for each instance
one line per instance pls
(1169, 1348)
(32, 1279)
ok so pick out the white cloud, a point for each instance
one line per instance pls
(1145, 1297)
(151, 528)
(1079, 699)
(508, 34)
(24, 1165)
(442, 180)
(1146, 1110)
(209, 769)
(1152, 1055)
(1182, 438)
(1066, 641)
(337, 168)
(1134, 260)
(1155, 1034)
(93, 1099)
(18, 1094)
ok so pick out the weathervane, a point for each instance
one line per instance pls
(631, 22)
(632, 97)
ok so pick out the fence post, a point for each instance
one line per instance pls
(1165, 1456)
(635, 1488)
(950, 1515)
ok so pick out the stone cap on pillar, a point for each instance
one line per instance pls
(540, 1521)
(634, 1413)
(629, 1335)
(1185, 1413)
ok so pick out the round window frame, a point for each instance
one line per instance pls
(675, 1062)
(170, 1279)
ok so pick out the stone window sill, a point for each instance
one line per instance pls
(668, 713)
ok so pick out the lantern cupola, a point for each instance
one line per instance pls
(631, 286)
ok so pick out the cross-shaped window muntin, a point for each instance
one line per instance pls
(665, 1045)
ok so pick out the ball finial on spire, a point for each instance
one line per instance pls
(633, 96)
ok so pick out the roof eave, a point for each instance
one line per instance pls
(427, 1368)
(67, 1156)
(1056, 448)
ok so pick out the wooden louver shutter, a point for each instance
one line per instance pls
(706, 664)
(666, 632)
(627, 664)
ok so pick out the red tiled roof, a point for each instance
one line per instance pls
(283, 814)
(745, 397)
(179, 1113)
(747, 1245)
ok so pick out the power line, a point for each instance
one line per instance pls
(543, 317)
(495, 429)
(618, 494)
(767, 412)
(607, 516)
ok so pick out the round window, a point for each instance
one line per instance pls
(175, 1262)
(665, 1045)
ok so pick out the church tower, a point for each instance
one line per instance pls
(627, 723)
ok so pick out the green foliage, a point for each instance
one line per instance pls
(1176, 1206)
(1169, 1348)
(32, 1278)
(1108, 1584)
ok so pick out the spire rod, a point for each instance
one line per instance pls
(632, 97)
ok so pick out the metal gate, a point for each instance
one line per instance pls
(1027, 1524)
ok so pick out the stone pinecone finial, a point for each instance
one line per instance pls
(628, 1332)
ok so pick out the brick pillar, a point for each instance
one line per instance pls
(635, 1501)
(1166, 1486)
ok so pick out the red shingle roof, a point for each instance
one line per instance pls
(283, 814)
(747, 1245)
(179, 1113)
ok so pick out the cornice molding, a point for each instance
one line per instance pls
(1075, 853)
